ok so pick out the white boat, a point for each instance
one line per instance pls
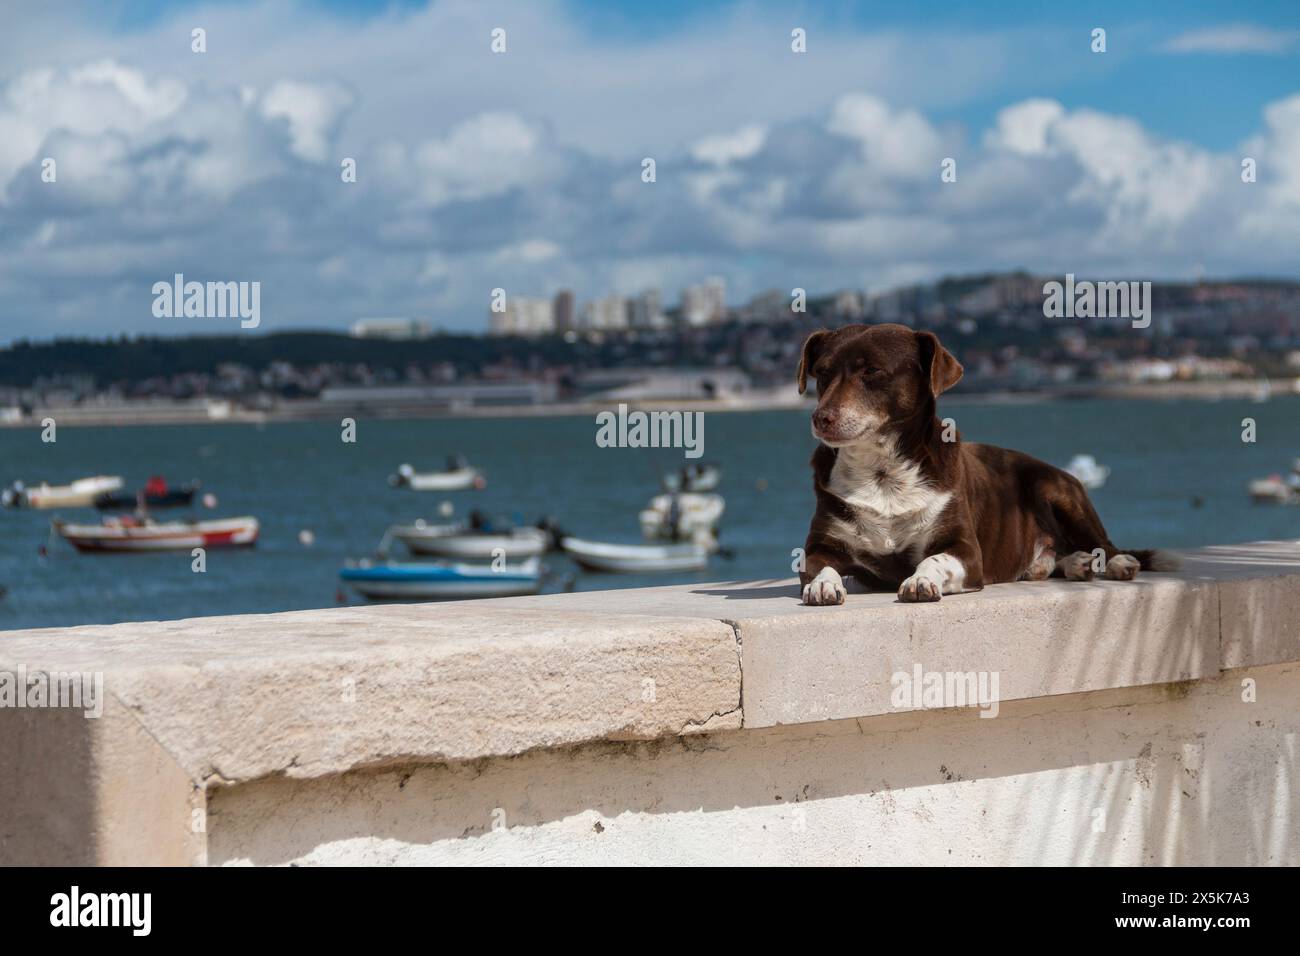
(693, 478)
(451, 479)
(131, 534)
(1273, 490)
(461, 541)
(1277, 490)
(637, 558)
(1089, 473)
(396, 579)
(78, 494)
(689, 515)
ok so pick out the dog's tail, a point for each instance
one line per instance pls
(1156, 560)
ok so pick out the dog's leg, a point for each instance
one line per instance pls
(1082, 529)
(822, 584)
(956, 569)
(1043, 563)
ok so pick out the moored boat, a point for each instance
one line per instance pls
(637, 558)
(678, 516)
(155, 494)
(1273, 490)
(457, 476)
(460, 540)
(1090, 474)
(76, 494)
(131, 534)
(389, 580)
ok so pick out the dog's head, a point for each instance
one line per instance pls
(871, 377)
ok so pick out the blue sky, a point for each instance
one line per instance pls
(522, 170)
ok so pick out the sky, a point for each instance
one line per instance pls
(522, 170)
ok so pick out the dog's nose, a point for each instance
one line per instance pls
(823, 418)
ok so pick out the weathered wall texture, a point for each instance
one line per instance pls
(1172, 774)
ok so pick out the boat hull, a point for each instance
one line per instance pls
(78, 494)
(456, 542)
(408, 581)
(458, 480)
(170, 536)
(636, 558)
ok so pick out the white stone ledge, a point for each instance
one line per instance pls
(213, 702)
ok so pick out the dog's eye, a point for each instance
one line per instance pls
(869, 371)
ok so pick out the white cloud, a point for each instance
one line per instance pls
(1233, 38)
(1023, 127)
(728, 147)
(312, 110)
(894, 142)
(483, 156)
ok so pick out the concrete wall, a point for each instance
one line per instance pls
(1136, 723)
(1175, 774)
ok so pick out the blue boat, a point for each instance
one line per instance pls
(390, 580)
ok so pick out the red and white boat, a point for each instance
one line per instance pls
(133, 534)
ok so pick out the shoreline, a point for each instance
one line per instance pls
(220, 412)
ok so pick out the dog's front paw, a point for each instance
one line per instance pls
(826, 588)
(919, 587)
(1122, 567)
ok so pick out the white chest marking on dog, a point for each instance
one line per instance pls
(896, 507)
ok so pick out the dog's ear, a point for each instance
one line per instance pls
(812, 347)
(945, 371)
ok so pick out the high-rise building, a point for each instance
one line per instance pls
(607, 313)
(564, 316)
(706, 302)
(523, 316)
(647, 311)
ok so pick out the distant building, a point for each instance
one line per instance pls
(389, 329)
(705, 303)
(647, 311)
(767, 306)
(607, 313)
(564, 311)
(523, 316)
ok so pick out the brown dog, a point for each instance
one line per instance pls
(898, 506)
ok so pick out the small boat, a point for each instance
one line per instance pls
(397, 579)
(1273, 490)
(461, 540)
(681, 516)
(457, 476)
(78, 494)
(1089, 473)
(637, 558)
(155, 494)
(132, 534)
(693, 478)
